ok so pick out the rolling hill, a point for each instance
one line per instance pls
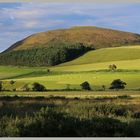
(91, 67)
(107, 55)
(59, 46)
(98, 37)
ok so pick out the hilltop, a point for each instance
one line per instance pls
(97, 37)
(59, 46)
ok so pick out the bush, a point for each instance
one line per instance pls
(12, 82)
(85, 86)
(112, 67)
(117, 84)
(38, 87)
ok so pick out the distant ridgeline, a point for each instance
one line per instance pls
(51, 55)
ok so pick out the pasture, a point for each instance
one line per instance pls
(91, 67)
(61, 80)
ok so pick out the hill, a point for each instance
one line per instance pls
(107, 55)
(59, 46)
(98, 37)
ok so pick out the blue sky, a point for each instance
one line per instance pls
(19, 20)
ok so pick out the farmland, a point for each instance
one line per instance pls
(84, 68)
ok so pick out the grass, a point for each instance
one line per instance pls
(124, 64)
(92, 113)
(96, 79)
(59, 117)
(91, 67)
(74, 94)
(107, 55)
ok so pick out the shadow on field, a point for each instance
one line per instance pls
(49, 123)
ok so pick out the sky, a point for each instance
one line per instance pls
(19, 20)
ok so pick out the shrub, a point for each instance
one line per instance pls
(85, 86)
(12, 82)
(117, 84)
(112, 67)
(38, 87)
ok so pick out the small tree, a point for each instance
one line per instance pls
(12, 82)
(112, 67)
(0, 85)
(117, 84)
(85, 85)
(38, 87)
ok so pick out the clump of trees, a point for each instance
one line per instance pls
(38, 87)
(112, 67)
(49, 55)
(118, 84)
(85, 86)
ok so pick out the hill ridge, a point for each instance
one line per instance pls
(99, 37)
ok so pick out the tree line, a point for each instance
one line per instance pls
(115, 85)
(49, 55)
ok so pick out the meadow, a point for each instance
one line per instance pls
(88, 67)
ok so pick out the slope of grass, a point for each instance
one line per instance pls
(125, 64)
(91, 67)
(108, 54)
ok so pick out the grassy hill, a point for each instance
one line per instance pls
(59, 46)
(98, 37)
(107, 55)
(84, 68)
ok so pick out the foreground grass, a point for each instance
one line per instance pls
(59, 116)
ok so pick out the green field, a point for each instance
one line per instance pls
(107, 55)
(91, 67)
